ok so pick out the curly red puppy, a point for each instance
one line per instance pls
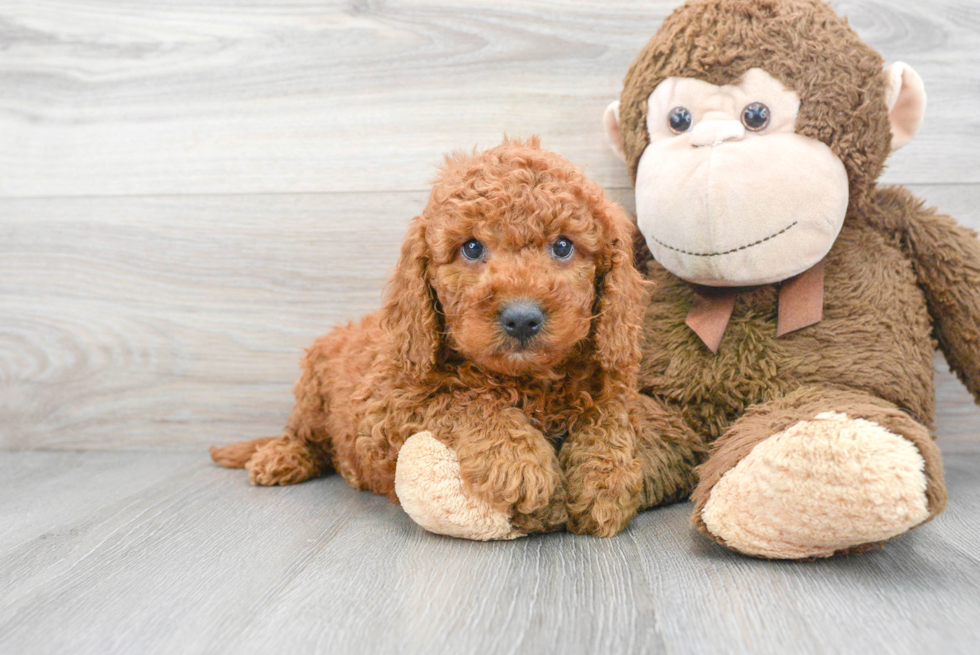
(509, 332)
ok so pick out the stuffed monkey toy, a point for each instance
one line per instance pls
(798, 303)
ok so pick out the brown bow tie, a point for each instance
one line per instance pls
(800, 305)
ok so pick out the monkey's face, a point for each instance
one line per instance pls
(727, 193)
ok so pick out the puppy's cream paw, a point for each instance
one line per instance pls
(820, 486)
(429, 486)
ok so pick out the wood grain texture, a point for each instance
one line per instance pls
(178, 322)
(107, 97)
(192, 559)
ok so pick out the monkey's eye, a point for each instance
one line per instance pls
(679, 120)
(472, 250)
(755, 116)
(562, 248)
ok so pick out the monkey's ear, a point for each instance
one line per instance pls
(615, 135)
(905, 97)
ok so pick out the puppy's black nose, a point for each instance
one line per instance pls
(521, 319)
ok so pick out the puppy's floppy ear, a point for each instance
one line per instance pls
(621, 295)
(408, 313)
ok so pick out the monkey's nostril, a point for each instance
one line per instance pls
(521, 319)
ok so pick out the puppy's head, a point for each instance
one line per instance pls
(517, 262)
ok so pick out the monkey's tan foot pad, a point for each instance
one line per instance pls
(821, 486)
(429, 486)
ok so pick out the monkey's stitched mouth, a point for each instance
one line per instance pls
(727, 252)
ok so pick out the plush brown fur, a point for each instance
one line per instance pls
(434, 357)
(899, 279)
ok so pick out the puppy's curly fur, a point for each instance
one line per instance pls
(544, 429)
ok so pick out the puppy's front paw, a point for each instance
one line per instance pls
(524, 481)
(536, 484)
(601, 502)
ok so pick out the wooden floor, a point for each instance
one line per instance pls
(127, 552)
(192, 190)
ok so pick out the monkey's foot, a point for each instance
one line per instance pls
(429, 486)
(822, 486)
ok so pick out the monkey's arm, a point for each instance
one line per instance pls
(946, 257)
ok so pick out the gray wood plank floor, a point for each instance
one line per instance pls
(193, 190)
(165, 553)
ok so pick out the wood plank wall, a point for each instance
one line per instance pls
(192, 190)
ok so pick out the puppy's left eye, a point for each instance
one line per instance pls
(562, 248)
(472, 249)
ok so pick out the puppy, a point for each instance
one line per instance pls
(508, 339)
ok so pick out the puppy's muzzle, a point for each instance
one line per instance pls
(521, 319)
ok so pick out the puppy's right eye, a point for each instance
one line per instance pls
(562, 248)
(472, 250)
